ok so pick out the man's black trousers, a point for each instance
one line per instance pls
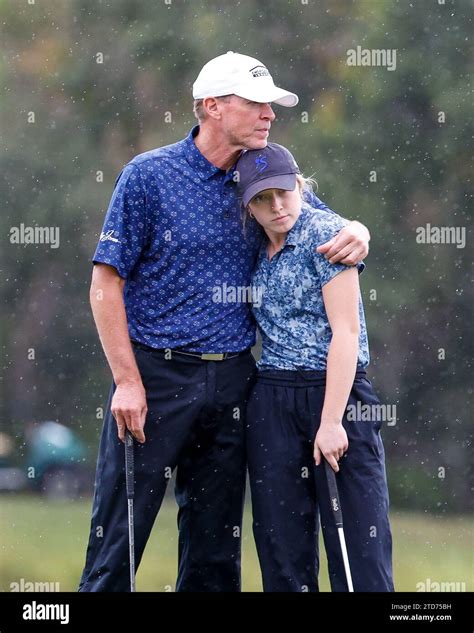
(195, 423)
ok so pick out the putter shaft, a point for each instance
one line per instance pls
(336, 508)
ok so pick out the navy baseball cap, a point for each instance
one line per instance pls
(270, 168)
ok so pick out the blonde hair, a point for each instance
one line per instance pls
(305, 184)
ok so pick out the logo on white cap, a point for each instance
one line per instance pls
(259, 71)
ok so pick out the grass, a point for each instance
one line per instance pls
(44, 541)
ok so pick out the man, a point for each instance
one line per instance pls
(180, 359)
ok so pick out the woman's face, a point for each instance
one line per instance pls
(276, 210)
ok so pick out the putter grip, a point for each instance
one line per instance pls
(333, 494)
(129, 466)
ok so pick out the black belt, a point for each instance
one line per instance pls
(223, 356)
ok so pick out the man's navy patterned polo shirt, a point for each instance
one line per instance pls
(173, 230)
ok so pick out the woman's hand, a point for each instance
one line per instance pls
(331, 441)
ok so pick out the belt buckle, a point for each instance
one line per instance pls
(212, 356)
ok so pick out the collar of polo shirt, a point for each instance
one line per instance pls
(203, 168)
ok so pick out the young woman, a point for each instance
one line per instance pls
(311, 386)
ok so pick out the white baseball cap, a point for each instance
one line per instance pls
(241, 75)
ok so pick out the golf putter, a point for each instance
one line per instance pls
(130, 485)
(336, 508)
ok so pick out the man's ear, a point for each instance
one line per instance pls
(212, 107)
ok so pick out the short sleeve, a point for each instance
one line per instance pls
(322, 232)
(312, 199)
(124, 232)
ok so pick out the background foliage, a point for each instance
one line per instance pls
(92, 117)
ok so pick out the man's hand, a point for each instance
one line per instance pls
(331, 440)
(350, 246)
(129, 409)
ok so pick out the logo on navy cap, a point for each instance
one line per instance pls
(261, 163)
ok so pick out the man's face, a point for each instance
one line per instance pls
(246, 124)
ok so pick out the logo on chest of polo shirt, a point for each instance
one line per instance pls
(259, 71)
(261, 163)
